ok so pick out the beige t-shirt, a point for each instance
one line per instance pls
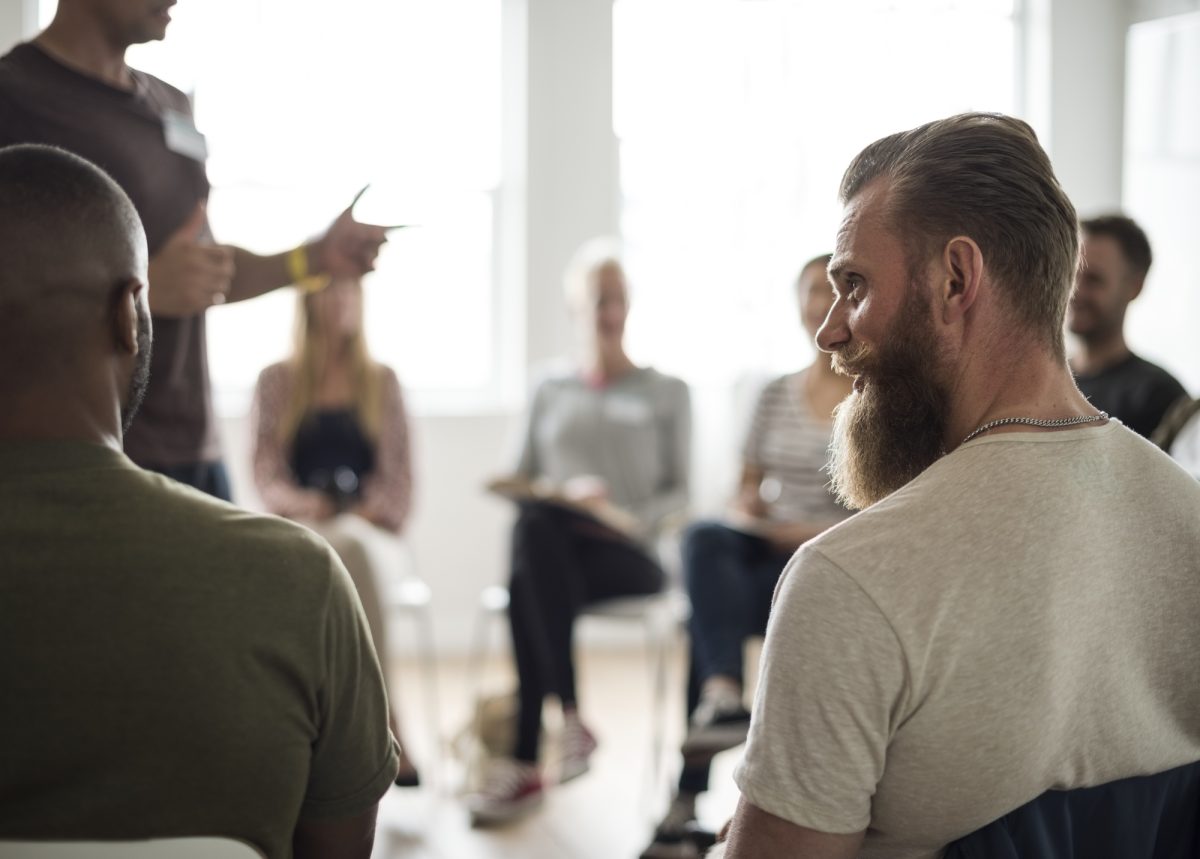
(1020, 617)
(171, 665)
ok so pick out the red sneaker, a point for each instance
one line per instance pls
(511, 789)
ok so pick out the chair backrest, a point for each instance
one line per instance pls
(1145, 817)
(155, 848)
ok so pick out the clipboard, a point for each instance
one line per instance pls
(519, 489)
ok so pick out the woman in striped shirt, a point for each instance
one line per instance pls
(731, 566)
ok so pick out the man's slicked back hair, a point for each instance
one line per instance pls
(1130, 238)
(982, 175)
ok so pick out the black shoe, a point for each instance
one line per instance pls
(671, 836)
(408, 778)
(715, 731)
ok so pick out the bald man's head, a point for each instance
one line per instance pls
(73, 276)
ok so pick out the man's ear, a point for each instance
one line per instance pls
(962, 274)
(125, 317)
(1135, 286)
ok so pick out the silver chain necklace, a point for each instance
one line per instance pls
(1036, 422)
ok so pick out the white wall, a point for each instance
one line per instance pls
(1074, 93)
(1162, 186)
(561, 187)
(18, 21)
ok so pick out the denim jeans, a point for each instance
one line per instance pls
(730, 578)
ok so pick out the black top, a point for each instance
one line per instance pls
(332, 454)
(1134, 391)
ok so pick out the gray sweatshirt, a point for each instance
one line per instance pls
(635, 433)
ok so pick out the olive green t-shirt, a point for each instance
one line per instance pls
(172, 665)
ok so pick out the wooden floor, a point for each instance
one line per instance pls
(608, 813)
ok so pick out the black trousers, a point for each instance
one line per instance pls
(561, 562)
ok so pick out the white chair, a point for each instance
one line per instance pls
(156, 848)
(660, 615)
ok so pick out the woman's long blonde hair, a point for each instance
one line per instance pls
(307, 361)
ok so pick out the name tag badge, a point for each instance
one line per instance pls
(628, 410)
(182, 137)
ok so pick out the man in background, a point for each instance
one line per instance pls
(172, 665)
(1115, 261)
(70, 87)
(931, 663)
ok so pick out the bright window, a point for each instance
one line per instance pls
(304, 102)
(736, 120)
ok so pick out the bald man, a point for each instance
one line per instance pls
(171, 665)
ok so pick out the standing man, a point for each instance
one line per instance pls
(934, 661)
(1116, 259)
(71, 87)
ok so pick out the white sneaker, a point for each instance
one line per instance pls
(511, 789)
(576, 746)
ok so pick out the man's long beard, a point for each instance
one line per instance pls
(893, 429)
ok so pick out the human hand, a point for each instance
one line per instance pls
(586, 489)
(190, 274)
(750, 503)
(369, 514)
(348, 248)
(315, 506)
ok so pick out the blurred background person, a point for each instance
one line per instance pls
(604, 464)
(1179, 434)
(731, 566)
(332, 450)
(1115, 258)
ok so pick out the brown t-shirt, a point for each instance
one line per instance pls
(43, 101)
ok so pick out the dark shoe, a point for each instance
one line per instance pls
(407, 775)
(671, 836)
(408, 778)
(715, 730)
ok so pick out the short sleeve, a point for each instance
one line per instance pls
(832, 684)
(355, 757)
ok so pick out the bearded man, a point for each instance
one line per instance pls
(1013, 609)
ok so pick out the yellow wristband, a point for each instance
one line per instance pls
(297, 267)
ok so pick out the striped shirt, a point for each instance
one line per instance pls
(790, 446)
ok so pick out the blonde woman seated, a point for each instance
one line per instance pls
(608, 443)
(331, 448)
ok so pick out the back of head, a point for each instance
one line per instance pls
(1130, 238)
(984, 176)
(69, 237)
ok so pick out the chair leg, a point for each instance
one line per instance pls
(427, 655)
(656, 652)
(480, 645)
